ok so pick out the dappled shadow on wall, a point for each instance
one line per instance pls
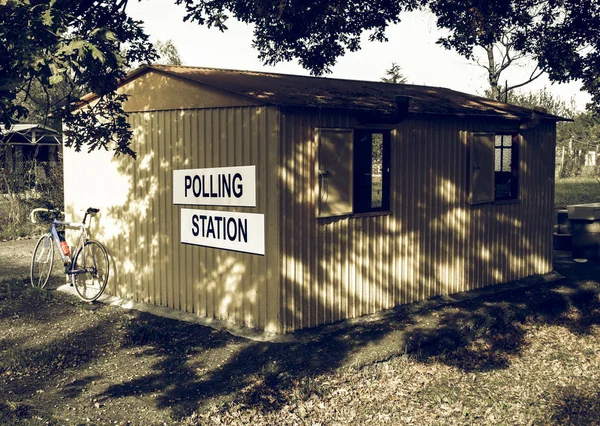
(432, 242)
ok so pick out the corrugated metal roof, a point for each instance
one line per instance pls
(303, 91)
(321, 92)
(25, 128)
(24, 133)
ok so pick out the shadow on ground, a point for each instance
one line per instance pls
(184, 365)
(193, 367)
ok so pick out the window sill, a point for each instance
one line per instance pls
(328, 219)
(368, 214)
(501, 202)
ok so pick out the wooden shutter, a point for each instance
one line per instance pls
(482, 168)
(335, 157)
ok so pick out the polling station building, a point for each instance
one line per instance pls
(280, 202)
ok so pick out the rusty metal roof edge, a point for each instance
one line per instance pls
(490, 103)
(410, 113)
(91, 96)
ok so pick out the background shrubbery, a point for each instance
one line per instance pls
(32, 184)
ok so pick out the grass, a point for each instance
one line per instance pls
(12, 231)
(17, 225)
(522, 356)
(578, 190)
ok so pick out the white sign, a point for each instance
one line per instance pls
(243, 232)
(219, 186)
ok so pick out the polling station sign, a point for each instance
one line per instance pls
(218, 186)
(243, 232)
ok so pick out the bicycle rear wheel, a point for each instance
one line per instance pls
(41, 261)
(90, 271)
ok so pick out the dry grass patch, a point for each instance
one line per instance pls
(525, 356)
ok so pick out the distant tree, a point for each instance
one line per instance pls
(542, 98)
(394, 75)
(574, 139)
(168, 54)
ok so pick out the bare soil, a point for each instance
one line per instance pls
(15, 257)
(524, 353)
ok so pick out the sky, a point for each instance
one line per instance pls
(411, 45)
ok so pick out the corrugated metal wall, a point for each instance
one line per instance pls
(140, 225)
(315, 270)
(433, 243)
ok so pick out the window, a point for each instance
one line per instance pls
(371, 171)
(505, 167)
(494, 167)
(354, 171)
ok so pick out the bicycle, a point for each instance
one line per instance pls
(88, 268)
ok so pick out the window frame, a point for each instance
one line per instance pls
(361, 199)
(500, 175)
(483, 177)
(330, 182)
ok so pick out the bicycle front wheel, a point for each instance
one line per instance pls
(90, 271)
(41, 261)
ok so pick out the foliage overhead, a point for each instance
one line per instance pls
(76, 45)
(563, 36)
(79, 45)
(314, 32)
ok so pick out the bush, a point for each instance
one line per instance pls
(29, 185)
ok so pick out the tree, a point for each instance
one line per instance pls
(42, 102)
(545, 99)
(79, 43)
(573, 139)
(76, 46)
(168, 54)
(562, 36)
(499, 57)
(394, 75)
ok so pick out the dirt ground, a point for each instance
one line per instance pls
(523, 353)
(15, 257)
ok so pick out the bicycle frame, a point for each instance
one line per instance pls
(81, 240)
(87, 264)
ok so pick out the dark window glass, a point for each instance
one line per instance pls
(371, 170)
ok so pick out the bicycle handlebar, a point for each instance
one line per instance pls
(42, 210)
(89, 211)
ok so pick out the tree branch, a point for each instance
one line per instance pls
(531, 78)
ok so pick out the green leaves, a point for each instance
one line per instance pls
(562, 36)
(57, 50)
(81, 48)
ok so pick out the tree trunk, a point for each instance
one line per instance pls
(492, 74)
(562, 163)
